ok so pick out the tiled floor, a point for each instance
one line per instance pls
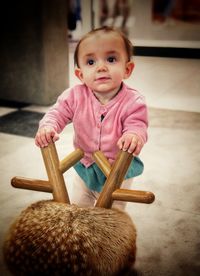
(169, 229)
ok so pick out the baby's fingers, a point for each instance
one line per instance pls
(138, 148)
(124, 143)
(120, 143)
(51, 135)
(42, 139)
(132, 146)
(55, 137)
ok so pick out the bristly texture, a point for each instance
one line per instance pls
(51, 238)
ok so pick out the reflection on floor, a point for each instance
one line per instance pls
(168, 230)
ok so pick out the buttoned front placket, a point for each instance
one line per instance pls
(98, 111)
(99, 123)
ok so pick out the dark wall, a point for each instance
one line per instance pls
(33, 50)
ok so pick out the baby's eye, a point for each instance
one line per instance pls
(111, 59)
(90, 61)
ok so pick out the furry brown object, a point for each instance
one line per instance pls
(51, 238)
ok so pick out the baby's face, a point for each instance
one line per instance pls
(103, 62)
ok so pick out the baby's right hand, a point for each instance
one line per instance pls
(44, 136)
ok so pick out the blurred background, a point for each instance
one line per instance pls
(36, 37)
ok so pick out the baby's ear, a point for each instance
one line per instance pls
(129, 69)
(79, 74)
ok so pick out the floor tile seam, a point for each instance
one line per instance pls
(161, 106)
(7, 111)
(174, 128)
(164, 109)
(7, 107)
(26, 110)
(31, 110)
(17, 136)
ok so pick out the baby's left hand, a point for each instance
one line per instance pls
(131, 143)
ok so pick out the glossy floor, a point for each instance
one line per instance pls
(169, 229)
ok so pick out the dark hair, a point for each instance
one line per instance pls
(105, 29)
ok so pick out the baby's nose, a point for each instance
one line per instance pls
(101, 66)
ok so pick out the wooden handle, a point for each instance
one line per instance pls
(70, 160)
(55, 176)
(55, 170)
(114, 179)
(31, 184)
(102, 162)
(133, 196)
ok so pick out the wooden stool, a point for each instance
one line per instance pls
(56, 183)
(53, 237)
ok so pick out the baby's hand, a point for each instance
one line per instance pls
(131, 143)
(44, 136)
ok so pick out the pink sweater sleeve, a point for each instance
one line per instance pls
(136, 120)
(60, 114)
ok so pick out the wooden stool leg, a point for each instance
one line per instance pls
(122, 194)
(55, 176)
(114, 179)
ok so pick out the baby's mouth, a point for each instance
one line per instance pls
(102, 79)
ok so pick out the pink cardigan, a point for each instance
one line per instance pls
(125, 113)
